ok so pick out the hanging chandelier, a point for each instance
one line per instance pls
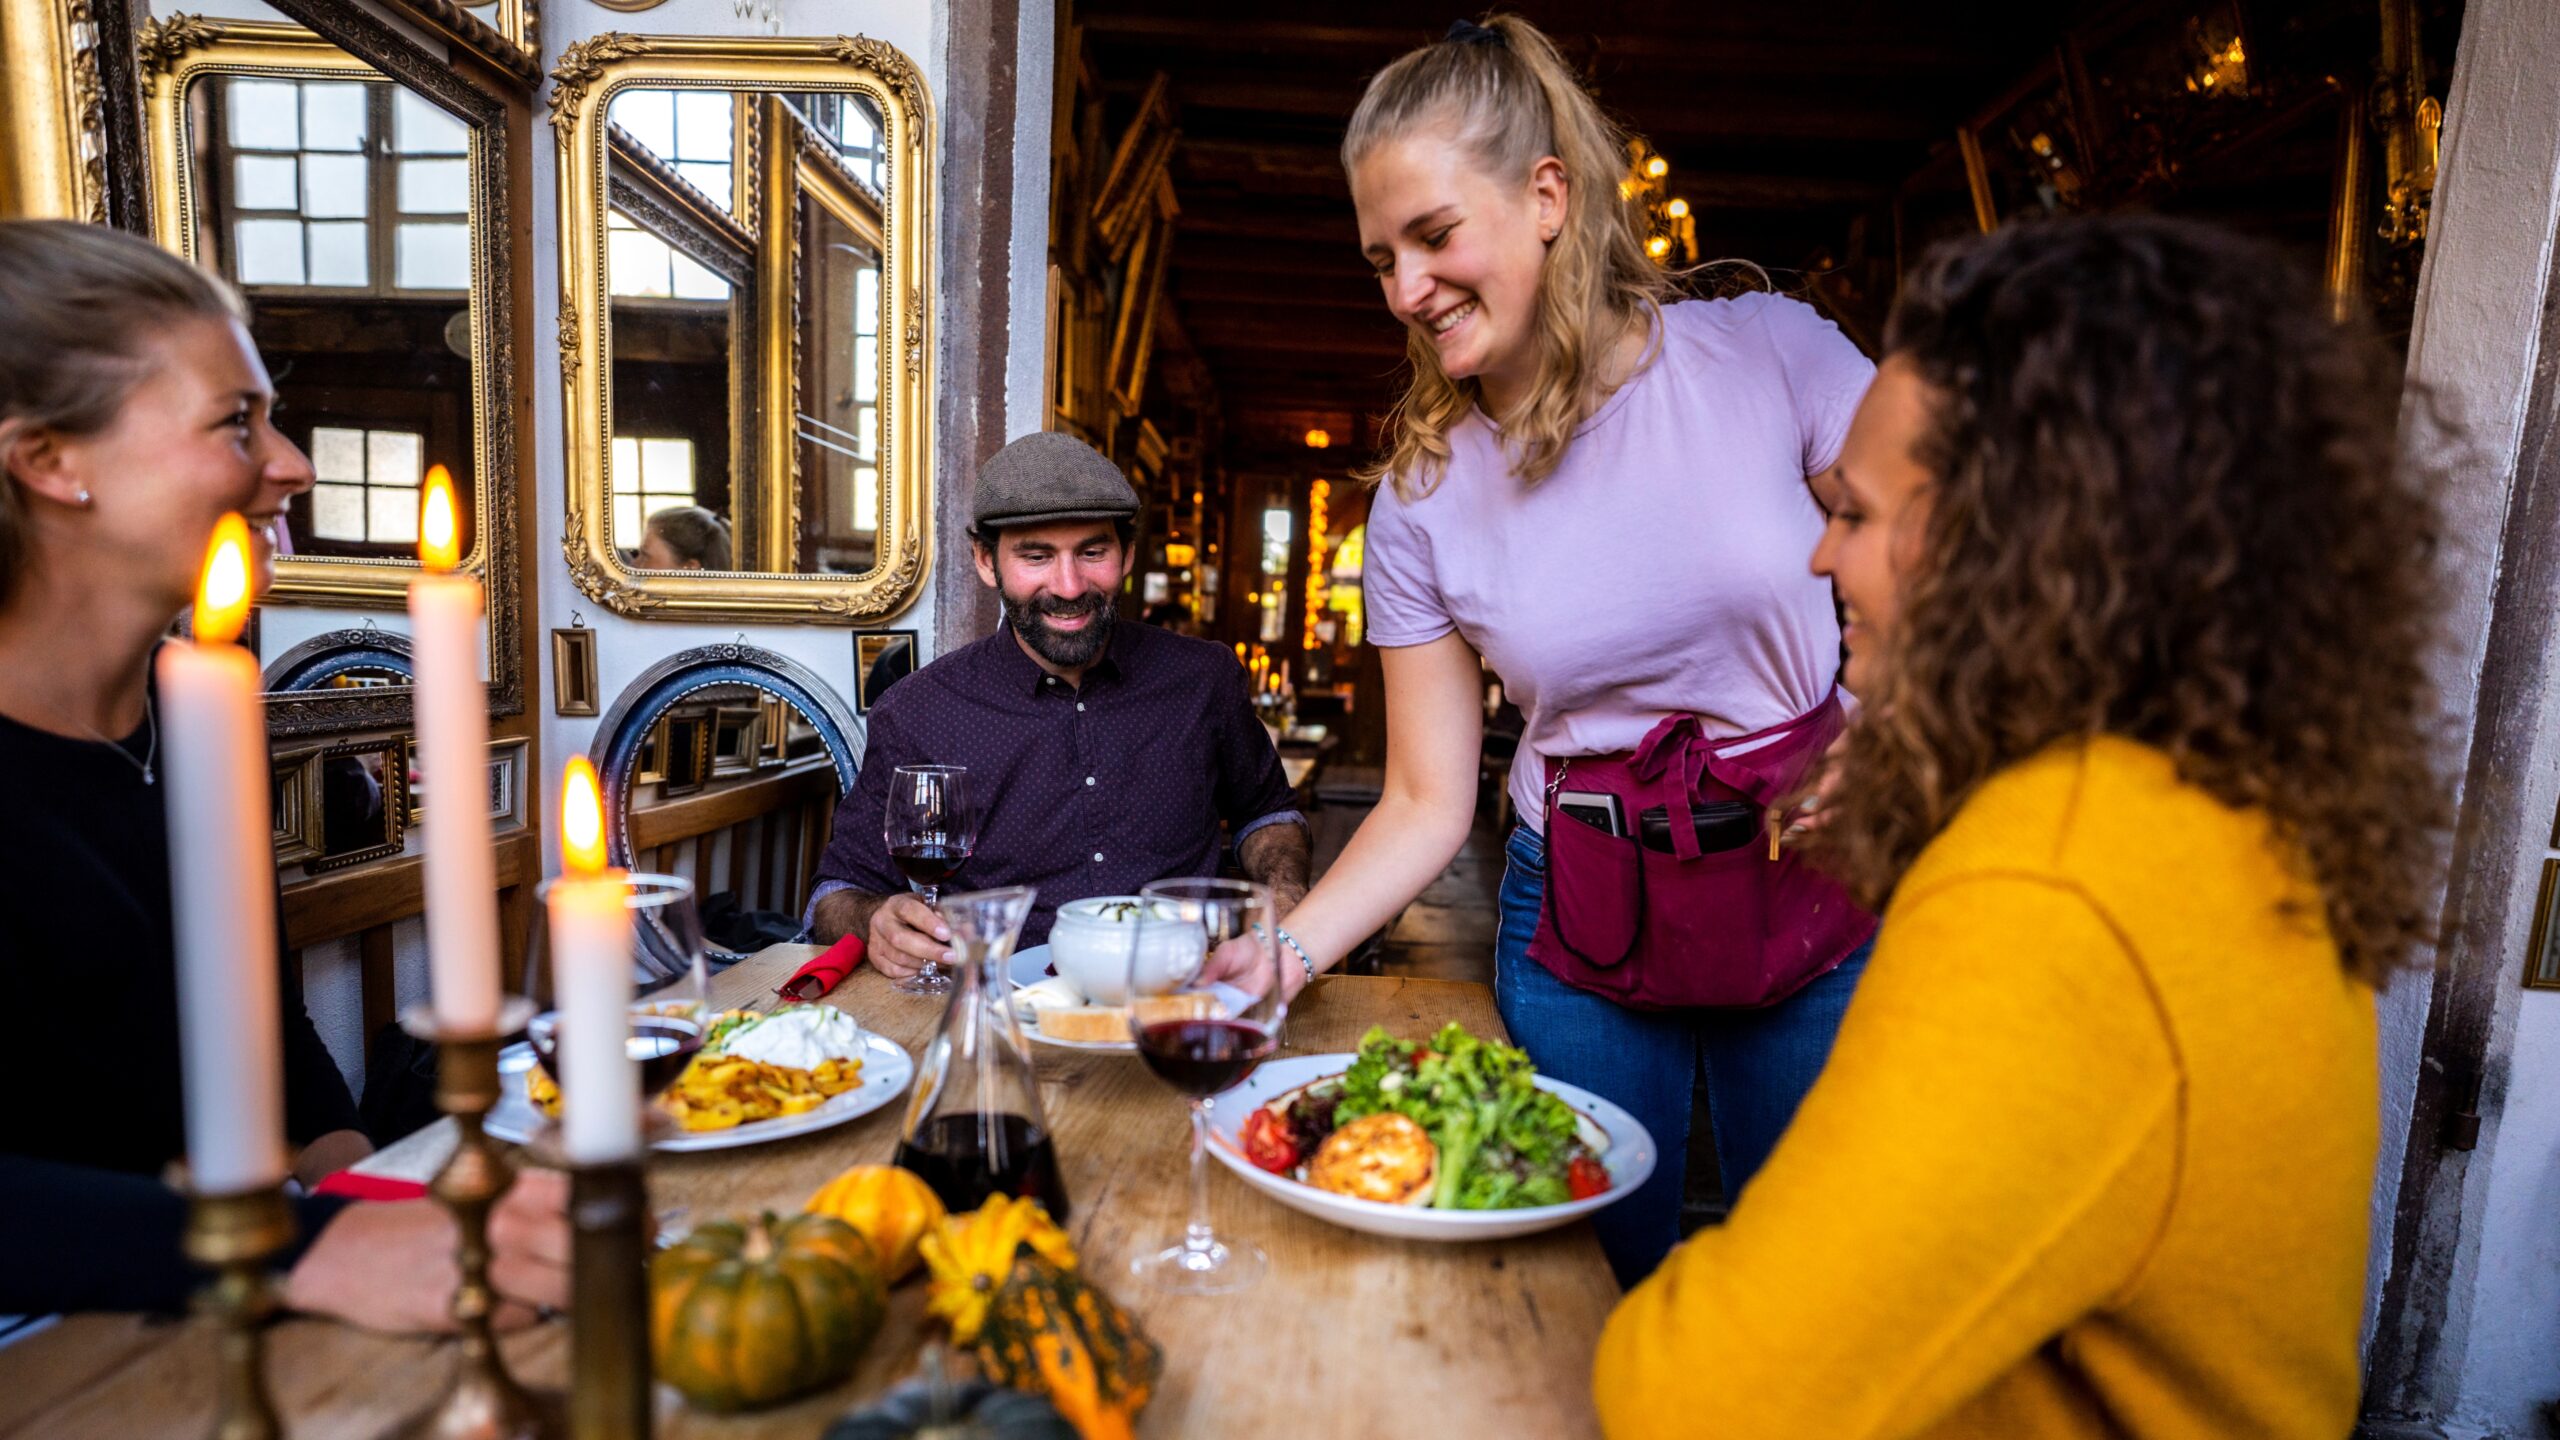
(1670, 229)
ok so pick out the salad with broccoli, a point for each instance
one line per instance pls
(1472, 1131)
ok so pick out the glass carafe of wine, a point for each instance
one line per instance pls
(974, 1126)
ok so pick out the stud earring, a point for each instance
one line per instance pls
(84, 497)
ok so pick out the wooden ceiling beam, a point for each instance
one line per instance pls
(1282, 171)
(1170, 42)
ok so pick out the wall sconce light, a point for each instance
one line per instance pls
(1318, 439)
(1179, 555)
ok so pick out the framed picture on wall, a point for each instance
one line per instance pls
(2542, 953)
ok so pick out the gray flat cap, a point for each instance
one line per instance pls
(1047, 476)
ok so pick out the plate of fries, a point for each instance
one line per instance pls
(722, 1101)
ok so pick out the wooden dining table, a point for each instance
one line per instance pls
(1347, 1335)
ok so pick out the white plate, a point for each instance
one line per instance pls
(1030, 967)
(1629, 1155)
(886, 1071)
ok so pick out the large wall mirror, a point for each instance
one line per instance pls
(360, 202)
(745, 278)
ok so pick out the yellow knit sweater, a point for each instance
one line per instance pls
(2090, 1159)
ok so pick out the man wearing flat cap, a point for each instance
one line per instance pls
(1101, 756)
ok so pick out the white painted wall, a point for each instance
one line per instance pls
(2478, 326)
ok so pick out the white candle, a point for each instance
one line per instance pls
(590, 912)
(453, 754)
(222, 885)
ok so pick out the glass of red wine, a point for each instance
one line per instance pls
(1202, 1039)
(931, 826)
(670, 1014)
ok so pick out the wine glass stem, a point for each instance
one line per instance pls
(1196, 1236)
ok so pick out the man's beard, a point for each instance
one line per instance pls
(1066, 649)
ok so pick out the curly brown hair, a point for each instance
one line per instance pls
(2169, 502)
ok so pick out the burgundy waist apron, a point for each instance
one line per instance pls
(1741, 927)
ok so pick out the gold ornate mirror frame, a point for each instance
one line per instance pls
(171, 54)
(53, 162)
(584, 84)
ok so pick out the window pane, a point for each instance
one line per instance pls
(338, 254)
(435, 187)
(337, 512)
(866, 431)
(393, 517)
(866, 367)
(337, 453)
(265, 115)
(866, 300)
(333, 115)
(866, 498)
(711, 180)
(650, 116)
(396, 458)
(270, 252)
(694, 282)
(626, 464)
(667, 466)
(419, 128)
(334, 186)
(627, 529)
(702, 125)
(266, 182)
(434, 257)
(636, 263)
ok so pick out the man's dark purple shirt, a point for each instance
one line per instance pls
(1091, 790)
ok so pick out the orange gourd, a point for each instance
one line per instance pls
(892, 1207)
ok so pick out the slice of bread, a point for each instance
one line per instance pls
(1109, 1024)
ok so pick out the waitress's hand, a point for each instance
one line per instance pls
(1811, 814)
(389, 1266)
(1241, 962)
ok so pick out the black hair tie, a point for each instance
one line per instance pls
(1468, 32)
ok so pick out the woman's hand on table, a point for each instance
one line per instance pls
(1239, 962)
(905, 935)
(389, 1266)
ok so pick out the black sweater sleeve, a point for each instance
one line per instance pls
(82, 1239)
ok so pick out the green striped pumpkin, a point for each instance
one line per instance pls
(748, 1314)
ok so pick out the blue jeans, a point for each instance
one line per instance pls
(1758, 1063)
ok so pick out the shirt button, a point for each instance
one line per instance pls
(1097, 857)
(1088, 779)
(1079, 704)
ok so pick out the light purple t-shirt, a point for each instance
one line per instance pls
(1662, 566)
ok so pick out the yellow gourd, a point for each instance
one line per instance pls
(892, 1207)
(971, 1256)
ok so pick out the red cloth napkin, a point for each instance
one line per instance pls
(369, 1187)
(824, 973)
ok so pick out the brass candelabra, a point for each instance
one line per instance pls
(609, 1376)
(235, 1236)
(484, 1401)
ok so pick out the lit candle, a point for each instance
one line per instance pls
(591, 980)
(222, 884)
(453, 751)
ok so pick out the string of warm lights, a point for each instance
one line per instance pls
(1670, 230)
(1317, 496)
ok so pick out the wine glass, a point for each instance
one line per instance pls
(931, 827)
(669, 1011)
(1202, 1039)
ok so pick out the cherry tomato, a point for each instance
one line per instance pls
(1268, 1142)
(1586, 1177)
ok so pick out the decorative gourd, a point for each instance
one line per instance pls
(892, 1207)
(921, 1410)
(1049, 1331)
(971, 1255)
(749, 1314)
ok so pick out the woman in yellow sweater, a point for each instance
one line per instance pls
(2138, 605)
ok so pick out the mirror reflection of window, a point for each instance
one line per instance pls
(367, 483)
(693, 130)
(640, 266)
(308, 207)
(649, 475)
(851, 128)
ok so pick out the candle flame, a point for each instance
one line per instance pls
(439, 540)
(581, 819)
(222, 595)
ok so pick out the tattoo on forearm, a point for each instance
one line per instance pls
(1277, 856)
